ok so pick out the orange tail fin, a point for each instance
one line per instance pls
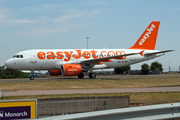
(147, 41)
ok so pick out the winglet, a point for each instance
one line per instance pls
(141, 53)
(147, 41)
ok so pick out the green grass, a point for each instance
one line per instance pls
(91, 83)
(136, 98)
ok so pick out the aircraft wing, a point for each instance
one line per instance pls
(158, 52)
(107, 59)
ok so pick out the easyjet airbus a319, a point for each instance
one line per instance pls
(70, 62)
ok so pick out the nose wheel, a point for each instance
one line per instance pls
(92, 75)
(31, 77)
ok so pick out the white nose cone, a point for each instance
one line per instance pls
(7, 63)
(13, 64)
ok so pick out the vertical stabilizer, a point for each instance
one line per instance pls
(147, 41)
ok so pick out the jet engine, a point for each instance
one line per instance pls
(72, 69)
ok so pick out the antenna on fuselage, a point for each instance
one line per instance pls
(87, 41)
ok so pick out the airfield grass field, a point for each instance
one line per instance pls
(91, 83)
(137, 99)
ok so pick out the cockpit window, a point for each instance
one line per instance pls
(17, 56)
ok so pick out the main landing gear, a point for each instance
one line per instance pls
(81, 75)
(91, 75)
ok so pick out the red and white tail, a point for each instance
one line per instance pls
(147, 41)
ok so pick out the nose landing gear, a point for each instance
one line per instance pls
(32, 75)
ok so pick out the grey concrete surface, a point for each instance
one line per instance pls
(98, 77)
(84, 91)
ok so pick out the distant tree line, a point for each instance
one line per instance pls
(145, 68)
(7, 73)
(122, 70)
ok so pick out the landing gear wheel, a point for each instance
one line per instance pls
(81, 75)
(92, 75)
(31, 77)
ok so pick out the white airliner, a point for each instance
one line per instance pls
(70, 62)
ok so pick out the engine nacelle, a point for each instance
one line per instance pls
(55, 72)
(72, 69)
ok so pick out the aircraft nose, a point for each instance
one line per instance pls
(8, 63)
(12, 64)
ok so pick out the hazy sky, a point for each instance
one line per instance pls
(28, 24)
